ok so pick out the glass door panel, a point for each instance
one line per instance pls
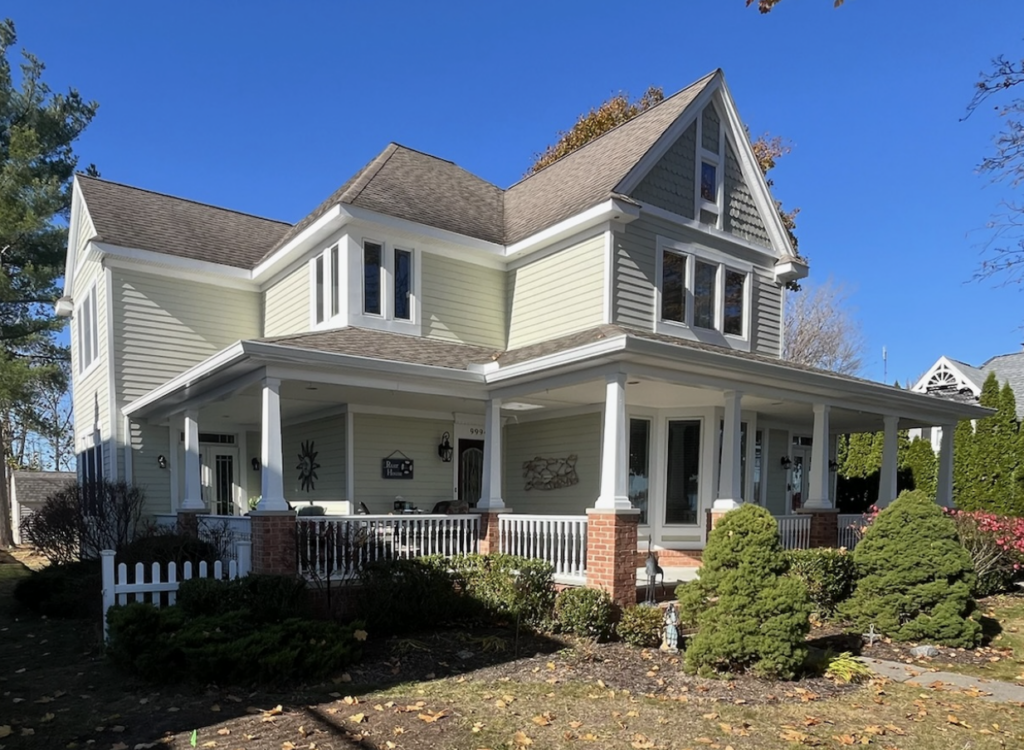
(682, 474)
(471, 471)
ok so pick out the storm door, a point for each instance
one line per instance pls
(471, 471)
(219, 469)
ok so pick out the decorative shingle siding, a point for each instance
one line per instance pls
(670, 183)
(463, 302)
(328, 437)
(709, 218)
(163, 326)
(553, 438)
(767, 301)
(709, 129)
(558, 294)
(286, 304)
(741, 215)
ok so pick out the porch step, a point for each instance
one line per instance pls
(673, 577)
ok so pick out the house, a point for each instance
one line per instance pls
(602, 337)
(29, 490)
(960, 382)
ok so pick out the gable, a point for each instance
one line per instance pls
(948, 377)
(741, 215)
(670, 183)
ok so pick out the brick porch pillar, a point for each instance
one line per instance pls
(611, 552)
(488, 539)
(188, 522)
(274, 543)
(824, 526)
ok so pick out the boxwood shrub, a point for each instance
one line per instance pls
(641, 626)
(587, 613)
(829, 575)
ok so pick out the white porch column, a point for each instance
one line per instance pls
(271, 458)
(490, 486)
(944, 488)
(818, 487)
(730, 480)
(193, 480)
(890, 446)
(614, 461)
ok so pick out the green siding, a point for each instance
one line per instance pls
(148, 443)
(670, 183)
(741, 215)
(328, 438)
(463, 302)
(553, 438)
(286, 304)
(775, 475)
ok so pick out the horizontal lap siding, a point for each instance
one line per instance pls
(149, 442)
(91, 394)
(164, 326)
(328, 437)
(463, 302)
(377, 437)
(286, 304)
(776, 476)
(553, 438)
(557, 295)
(769, 320)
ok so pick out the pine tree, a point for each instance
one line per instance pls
(995, 457)
(920, 462)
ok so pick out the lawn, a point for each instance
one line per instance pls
(1003, 658)
(57, 691)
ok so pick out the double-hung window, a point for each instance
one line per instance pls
(326, 285)
(88, 331)
(698, 290)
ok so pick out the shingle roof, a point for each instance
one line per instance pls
(973, 374)
(141, 219)
(36, 486)
(1009, 368)
(398, 182)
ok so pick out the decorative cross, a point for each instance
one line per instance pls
(871, 635)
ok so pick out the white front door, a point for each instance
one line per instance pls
(799, 476)
(219, 467)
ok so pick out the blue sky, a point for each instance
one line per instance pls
(268, 107)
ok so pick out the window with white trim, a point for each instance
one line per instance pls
(701, 292)
(373, 269)
(88, 331)
(710, 191)
(326, 296)
(389, 282)
(90, 477)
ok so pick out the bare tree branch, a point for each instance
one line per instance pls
(821, 331)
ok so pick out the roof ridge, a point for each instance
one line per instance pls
(194, 202)
(365, 176)
(681, 91)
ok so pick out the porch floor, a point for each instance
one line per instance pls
(673, 576)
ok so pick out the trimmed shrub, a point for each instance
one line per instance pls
(166, 645)
(167, 547)
(641, 626)
(69, 591)
(266, 598)
(586, 613)
(750, 614)
(508, 587)
(829, 575)
(915, 578)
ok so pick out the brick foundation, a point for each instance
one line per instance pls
(824, 526)
(672, 558)
(188, 522)
(489, 539)
(274, 546)
(612, 553)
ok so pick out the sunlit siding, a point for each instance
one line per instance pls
(558, 294)
(327, 437)
(776, 476)
(463, 302)
(148, 442)
(91, 391)
(286, 304)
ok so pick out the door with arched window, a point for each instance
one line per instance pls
(471, 471)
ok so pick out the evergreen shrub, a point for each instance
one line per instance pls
(508, 587)
(641, 626)
(829, 575)
(750, 614)
(586, 613)
(915, 579)
(265, 598)
(67, 591)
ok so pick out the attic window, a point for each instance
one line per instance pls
(708, 182)
(326, 292)
(711, 160)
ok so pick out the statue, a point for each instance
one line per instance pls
(653, 570)
(670, 634)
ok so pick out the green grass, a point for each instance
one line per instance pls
(1006, 615)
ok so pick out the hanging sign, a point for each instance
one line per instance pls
(396, 466)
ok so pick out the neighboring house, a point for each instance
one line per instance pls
(605, 333)
(957, 381)
(29, 490)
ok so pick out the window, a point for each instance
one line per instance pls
(90, 476)
(403, 284)
(88, 331)
(732, 306)
(319, 284)
(683, 473)
(699, 290)
(372, 252)
(325, 280)
(708, 182)
(335, 282)
(710, 165)
(673, 287)
(704, 294)
(639, 464)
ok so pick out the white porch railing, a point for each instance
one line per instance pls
(339, 546)
(560, 540)
(117, 588)
(794, 531)
(225, 533)
(165, 520)
(851, 528)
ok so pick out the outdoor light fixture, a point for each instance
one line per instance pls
(444, 450)
(255, 464)
(786, 463)
(161, 461)
(833, 465)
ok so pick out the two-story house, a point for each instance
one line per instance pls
(605, 333)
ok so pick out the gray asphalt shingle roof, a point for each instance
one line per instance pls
(36, 486)
(1009, 368)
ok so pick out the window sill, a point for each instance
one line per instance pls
(379, 323)
(703, 335)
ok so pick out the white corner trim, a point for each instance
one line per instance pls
(611, 210)
(609, 271)
(350, 458)
(112, 410)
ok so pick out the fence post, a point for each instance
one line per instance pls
(243, 555)
(109, 598)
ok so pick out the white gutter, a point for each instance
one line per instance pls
(611, 210)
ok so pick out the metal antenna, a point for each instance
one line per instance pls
(885, 365)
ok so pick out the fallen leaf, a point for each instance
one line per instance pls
(5, 730)
(47, 717)
(357, 718)
(27, 731)
(359, 635)
(430, 718)
(543, 720)
(521, 739)
(224, 732)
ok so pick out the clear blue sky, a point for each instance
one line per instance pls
(268, 107)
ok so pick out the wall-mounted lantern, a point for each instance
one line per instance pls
(444, 450)
(833, 465)
(255, 464)
(786, 462)
(161, 461)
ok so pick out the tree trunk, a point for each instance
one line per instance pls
(6, 535)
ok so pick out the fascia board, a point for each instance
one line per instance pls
(613, 209)
(416, 229)
(211, 272)
(330, 221)
(540, 365)
(219, 361)
(766, 257)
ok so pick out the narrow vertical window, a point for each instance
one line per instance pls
(705, 277)
(639, 465)
(732, 320)
(88, 336)
(403, 284)
(371, 278)
(335, 283)
(673, 286)
(708, 182)
(682, 475)
(319, 301)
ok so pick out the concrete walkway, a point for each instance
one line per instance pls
(978, 687)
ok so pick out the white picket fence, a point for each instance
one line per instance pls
(119, 589)
(794, 531)
(851, 528)
(559, 540)
(337, 547)
(225, 532)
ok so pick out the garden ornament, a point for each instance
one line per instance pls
(670, 633)
(653, 571)
(871, 635)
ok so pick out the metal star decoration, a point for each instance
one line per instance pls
(307, 466)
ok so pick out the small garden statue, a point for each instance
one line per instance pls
(670, 634)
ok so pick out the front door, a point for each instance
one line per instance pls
(219, 471)
(799, 474)
(471, 471)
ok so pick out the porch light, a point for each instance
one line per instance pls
(161, 461)
(833, 465)
(786, 463)
(444, 450)
(255, 464)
